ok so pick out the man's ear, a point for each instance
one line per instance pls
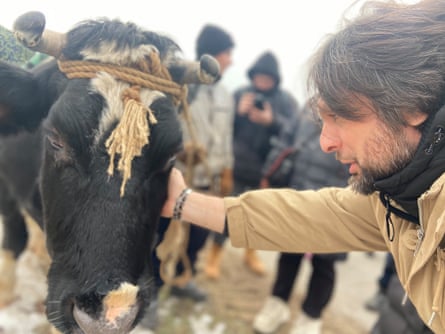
(416, 118)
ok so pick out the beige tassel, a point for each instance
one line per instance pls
(130, 135)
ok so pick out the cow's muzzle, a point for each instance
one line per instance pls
(120, 309)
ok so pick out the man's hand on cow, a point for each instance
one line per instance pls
(176, 185)
(197, 208)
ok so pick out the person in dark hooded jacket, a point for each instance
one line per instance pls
(262, 108)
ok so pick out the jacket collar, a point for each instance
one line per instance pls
(428, 163)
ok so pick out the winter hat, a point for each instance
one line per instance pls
(213, 40)
(266, 64)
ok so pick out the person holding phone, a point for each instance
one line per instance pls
(262, 109)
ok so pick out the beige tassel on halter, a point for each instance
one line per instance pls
(133, 131)
(131, 134)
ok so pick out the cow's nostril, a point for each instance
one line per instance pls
(85, 322)
(119, 310)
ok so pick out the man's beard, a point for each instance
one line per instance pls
(386, 154)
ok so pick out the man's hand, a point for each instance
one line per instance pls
(262, 116)
(199, 209)
(176, 185)
(245, 103)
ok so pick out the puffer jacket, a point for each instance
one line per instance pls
(310, 167)
(313, 168)
(340, 220)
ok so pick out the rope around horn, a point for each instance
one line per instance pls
(133, 131)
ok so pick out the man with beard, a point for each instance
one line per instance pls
(378, 86)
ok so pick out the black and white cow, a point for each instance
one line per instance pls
(67, 158)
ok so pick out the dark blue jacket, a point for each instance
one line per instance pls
(311, 167)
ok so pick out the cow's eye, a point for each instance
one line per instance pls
(56, 145)
(54, 141)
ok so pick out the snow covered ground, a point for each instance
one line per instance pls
(233, 300)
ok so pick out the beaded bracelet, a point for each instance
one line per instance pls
(177, 210)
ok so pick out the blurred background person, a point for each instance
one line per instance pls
(262, 108)
(311, 169)
(207, 158)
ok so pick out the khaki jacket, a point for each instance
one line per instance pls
(339, 220)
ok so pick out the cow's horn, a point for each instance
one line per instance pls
(204, 71)
(29, 29)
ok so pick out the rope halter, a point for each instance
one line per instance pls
(133, 130)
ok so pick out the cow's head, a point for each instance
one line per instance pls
(108, 107)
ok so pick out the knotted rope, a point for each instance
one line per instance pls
(133, 131)
(132, 134)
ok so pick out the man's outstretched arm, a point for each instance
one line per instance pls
(199, 209)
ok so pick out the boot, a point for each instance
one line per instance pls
(212, 267)
(253, 262)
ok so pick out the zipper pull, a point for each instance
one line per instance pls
(420, 235)
(430, 322)
(404, 299)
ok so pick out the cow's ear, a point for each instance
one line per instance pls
(20, 101)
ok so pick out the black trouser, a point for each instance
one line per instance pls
(321, 283)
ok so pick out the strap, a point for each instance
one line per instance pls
(171, 251)
(386, 201)
(279, 160)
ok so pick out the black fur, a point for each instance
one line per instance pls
(51, 166)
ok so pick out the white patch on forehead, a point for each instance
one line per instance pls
(108, 52)
(112, 90)
(172, 58)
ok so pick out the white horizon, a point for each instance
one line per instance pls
(290, 29)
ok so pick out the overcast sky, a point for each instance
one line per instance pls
(291, 29)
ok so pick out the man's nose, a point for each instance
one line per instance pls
(328, 142)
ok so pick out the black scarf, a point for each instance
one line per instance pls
(428, 163)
